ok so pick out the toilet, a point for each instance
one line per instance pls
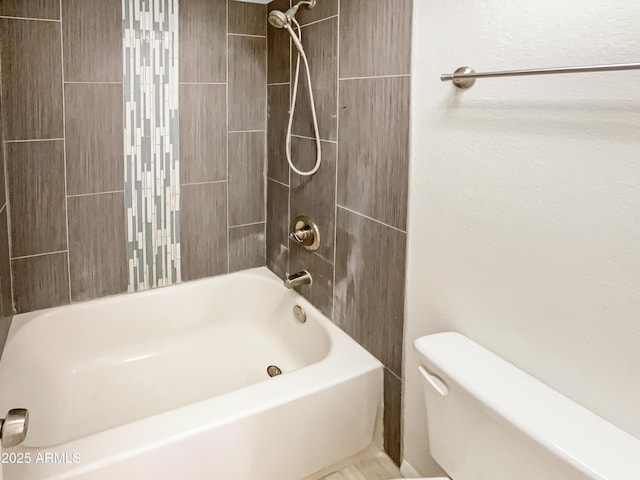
(488, 420)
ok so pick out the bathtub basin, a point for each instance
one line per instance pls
(173, 383)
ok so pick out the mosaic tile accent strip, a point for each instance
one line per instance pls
(152, 180)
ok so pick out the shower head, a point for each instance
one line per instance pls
(281, 19)
(278, 19)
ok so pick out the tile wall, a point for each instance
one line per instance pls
(359, 54)
(222, 136)
(62, 98)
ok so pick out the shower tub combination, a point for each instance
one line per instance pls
(173, 383)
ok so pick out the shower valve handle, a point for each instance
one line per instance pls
(302, 234)
(305, 232)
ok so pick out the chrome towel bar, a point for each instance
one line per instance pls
(465, 77)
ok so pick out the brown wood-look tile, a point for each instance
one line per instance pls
(203, 133)
(31, 79)
(247, 73)
(315, 196)
(369, 289)
(5, 268)
(281, 5)
(321, 46)
(203, 224)
(36, 197)
(277, 227)
(49, 9)
(40, 282)
(374, 148)
(203, 40)
(278, 114)
(246, 178)
(320, 292)
(92, 35)
(323, 9)
(5, 325)
(277, 47)
(93, 129)
(278, 54)
(97, 253)
(375, 37)
(246, 247)
(392, 415)
(247, 18)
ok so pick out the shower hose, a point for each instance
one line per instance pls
(297, 40)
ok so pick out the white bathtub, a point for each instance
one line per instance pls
(172, 383)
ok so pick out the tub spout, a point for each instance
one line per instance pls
(293, 280)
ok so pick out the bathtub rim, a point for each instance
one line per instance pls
(262, 274)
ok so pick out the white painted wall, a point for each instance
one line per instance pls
(524, 228)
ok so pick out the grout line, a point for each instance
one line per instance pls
(278, 83)
(40, 254)
(318, 21)
(335, 199)
(289, 190)
(288, 269)
(108, 83)
(64, 153)
(376, 76)
(5, 168)
(245, 131)
(278, 181)
(202, 183)
(311, 138)
(31, 19)
(34, 140)
(265, 149)
(242, 34)
(392, 373)
(94, 193)
(325, 260)
(227, 128)
(202, 83)
(246, 224)
(371, 218)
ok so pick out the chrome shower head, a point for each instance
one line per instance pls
(278, 19)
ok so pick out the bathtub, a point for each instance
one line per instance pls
(172, 383)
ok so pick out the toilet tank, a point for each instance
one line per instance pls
(488, 420)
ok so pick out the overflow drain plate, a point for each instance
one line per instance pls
(273, 371)
(299, 313)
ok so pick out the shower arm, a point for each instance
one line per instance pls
(309, 3)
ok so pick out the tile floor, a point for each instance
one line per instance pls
(380, 467)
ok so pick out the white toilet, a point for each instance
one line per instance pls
(488, 420)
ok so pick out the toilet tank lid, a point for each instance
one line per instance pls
(576, 435)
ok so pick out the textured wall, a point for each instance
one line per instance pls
(62, 73)
(524, 221)
(359, 54)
